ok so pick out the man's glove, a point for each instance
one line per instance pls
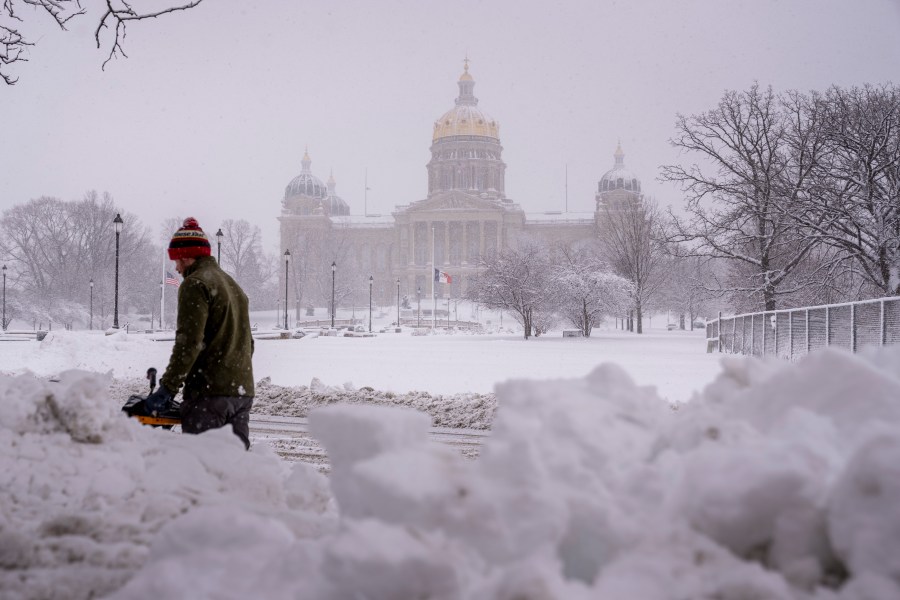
(159, 400)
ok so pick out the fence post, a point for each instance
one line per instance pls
(827, 326)
(752, 334)
(883, 330)
(791, 335)
(744, 335)
(719, 332)
(775, 350)
(852, 328)
(733, 332)
(763, 354)
(807, 331)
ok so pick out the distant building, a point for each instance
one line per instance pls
(464, 216)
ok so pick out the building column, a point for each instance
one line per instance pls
(481, 237)
(446, 242)
(464, 255)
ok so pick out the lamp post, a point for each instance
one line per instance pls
(117, 224)
(287, 261)
(333, 270)
(398, 303)
(92, 303)
(219, 237)
(419, 307)
(371, 281)
(3, 323)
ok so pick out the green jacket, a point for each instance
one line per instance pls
(213, 346)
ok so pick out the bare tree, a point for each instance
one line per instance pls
(588, 290)
(241, 244)
(515, 280)
(629, 237)
(855, 205)
(689, 288)
(244, 259)
(55, 248)
(116, 16)
(313, 252)
(736, 205)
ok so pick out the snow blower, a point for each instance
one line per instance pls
(136, 407)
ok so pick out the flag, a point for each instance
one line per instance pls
(171, 280)
(441, 277)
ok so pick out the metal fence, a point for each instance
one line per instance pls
(794, 332)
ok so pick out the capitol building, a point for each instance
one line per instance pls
(464, 215)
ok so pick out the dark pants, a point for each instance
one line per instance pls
(201, 414)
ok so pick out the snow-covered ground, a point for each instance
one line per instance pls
(674, 361)
(778, 481)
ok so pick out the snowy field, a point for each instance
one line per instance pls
(674, 361)
(777, 481)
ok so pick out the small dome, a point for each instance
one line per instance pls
(334, 204)
(619, 177)
(305, 184)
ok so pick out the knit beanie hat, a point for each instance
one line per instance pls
(189, 241)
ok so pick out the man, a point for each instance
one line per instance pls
(213, 346)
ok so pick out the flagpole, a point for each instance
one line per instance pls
(433, 296)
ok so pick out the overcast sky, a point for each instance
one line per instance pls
(211, 112)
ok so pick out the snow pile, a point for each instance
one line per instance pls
(779, 481)
(472, 411)
(87, 495)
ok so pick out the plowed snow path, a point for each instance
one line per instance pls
(290, 438)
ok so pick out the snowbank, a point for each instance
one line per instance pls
(779, 481)
(471, 411)
(88, 496)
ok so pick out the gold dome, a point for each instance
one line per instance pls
(465, 120)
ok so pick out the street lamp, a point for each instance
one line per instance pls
(92, 303)
(419, 308)
(117, 223)
(398, 303)
(3, 324)
(219, 237)
(287, 261)
(371, 281)
(333, 269)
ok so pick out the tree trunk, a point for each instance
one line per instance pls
(639, 317)
(585, 320)
(769, 296)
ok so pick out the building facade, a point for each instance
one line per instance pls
(464, 216)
